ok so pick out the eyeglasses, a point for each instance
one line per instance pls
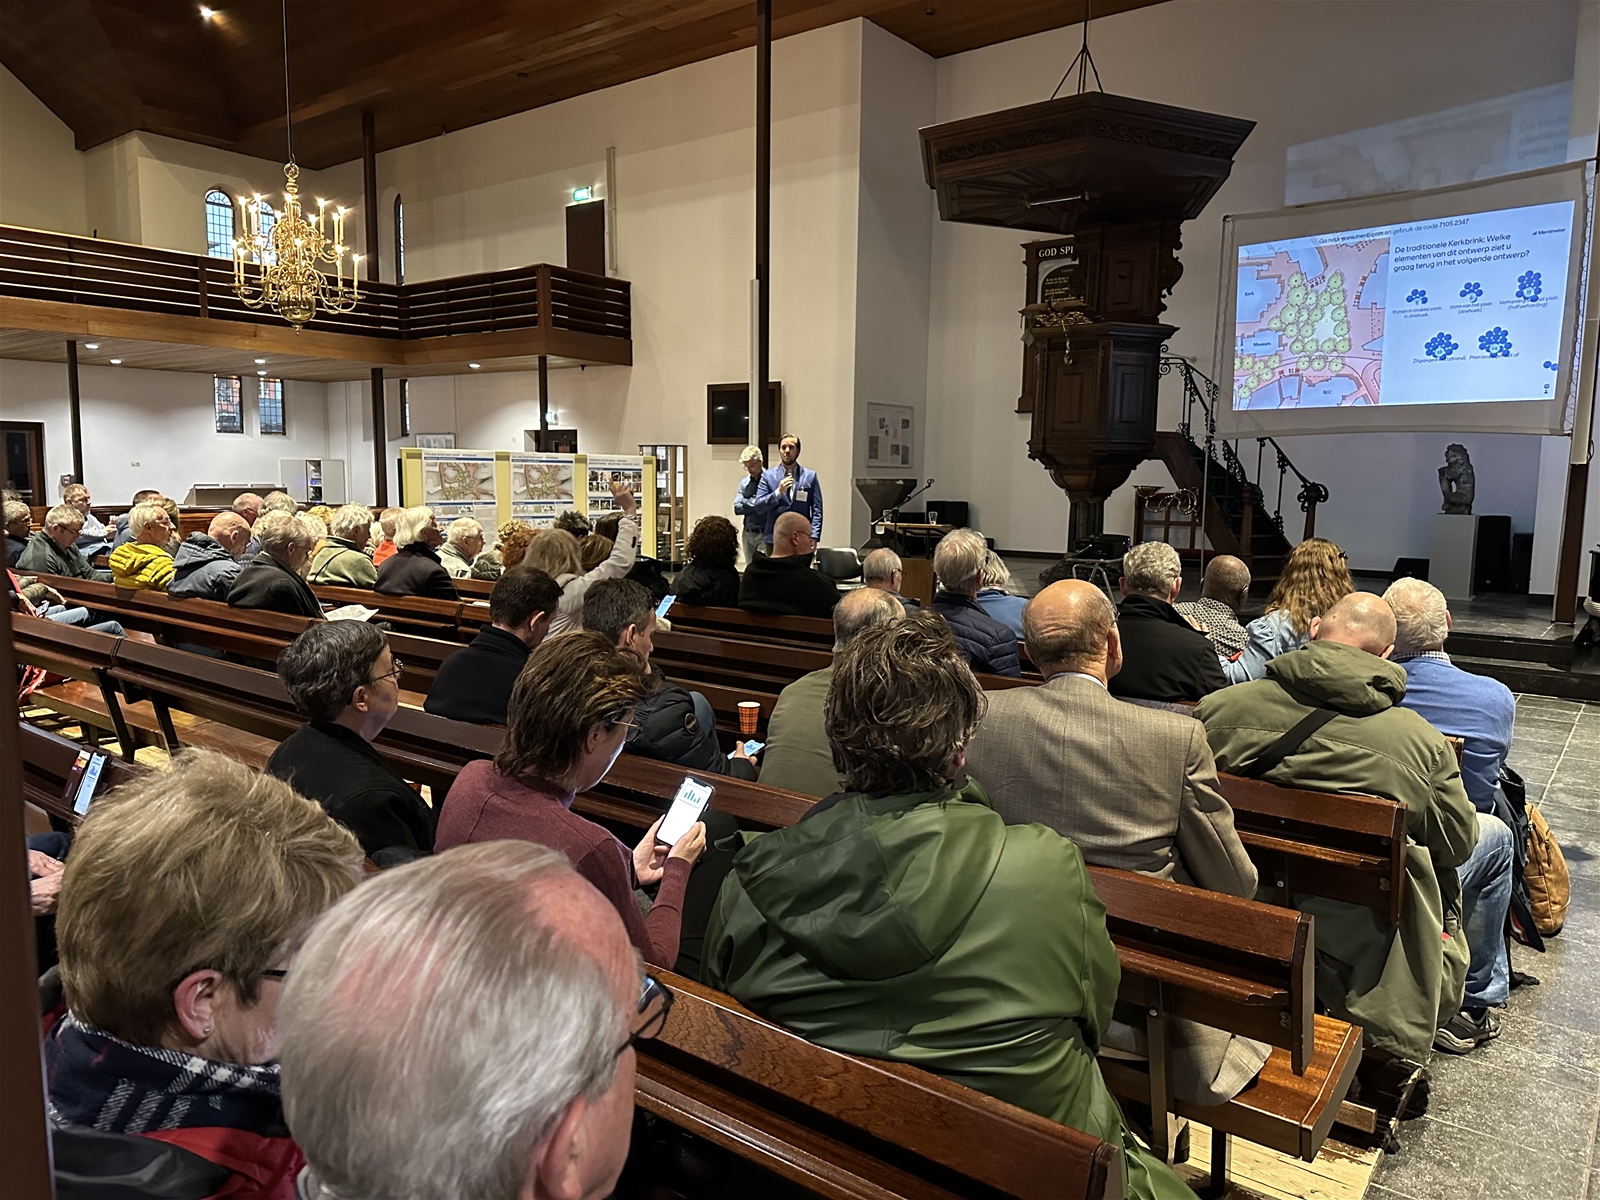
(394, 672)
(632, 728)
(651, 989)
(275, 973)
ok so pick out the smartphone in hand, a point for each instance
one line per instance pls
(691, 800)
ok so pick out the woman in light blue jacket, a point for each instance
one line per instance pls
(1315, 576)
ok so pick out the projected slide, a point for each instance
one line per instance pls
(1455, 310)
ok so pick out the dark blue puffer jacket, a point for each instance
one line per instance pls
(203, 569)
(988, 645)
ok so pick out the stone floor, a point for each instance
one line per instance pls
(1517, 1118)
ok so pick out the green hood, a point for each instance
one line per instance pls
(876, 887)
(1347, 680)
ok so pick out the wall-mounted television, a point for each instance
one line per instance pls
(728, 415)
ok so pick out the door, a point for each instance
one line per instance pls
(24, 460)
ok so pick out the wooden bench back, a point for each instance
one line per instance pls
(47, 760)
(755, 627)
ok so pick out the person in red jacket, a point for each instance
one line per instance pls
(182, 903)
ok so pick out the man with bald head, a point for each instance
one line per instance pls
(1341, 697)
(1216, 613)
(782, 581)
(207, 563)
(883, 570)
(388, 1091)
(1133, 787)
(798, 757)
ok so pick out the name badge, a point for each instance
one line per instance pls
(802, 496)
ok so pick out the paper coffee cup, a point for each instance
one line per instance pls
(749, 716)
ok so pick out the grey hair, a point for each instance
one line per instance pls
(280, 502)
(434, 1029)
(279, 530)
(408, 526)
(16, 510)
(860, 610)
(143, 514)
(751, 454)
(322, 668)
(995, 573)
(880, 565)
(349, 520)
(958, 559)
(1421, 615)
(1149, 569)
(63, 515)
(463, 528)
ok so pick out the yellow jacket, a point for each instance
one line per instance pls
(135, 565)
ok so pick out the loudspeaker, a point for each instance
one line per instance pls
(949, 512)
(1415, 568)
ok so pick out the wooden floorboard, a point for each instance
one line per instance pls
(1339, 1172)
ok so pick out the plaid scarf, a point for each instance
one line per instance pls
(102, 1082)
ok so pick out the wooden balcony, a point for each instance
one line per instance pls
(168, 310)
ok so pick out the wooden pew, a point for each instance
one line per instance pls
(753, 627)
(852, 1127)
(82, 656)
(47, 760)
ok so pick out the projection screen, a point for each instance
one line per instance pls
(1456, 309)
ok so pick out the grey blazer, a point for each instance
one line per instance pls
(1133, 787)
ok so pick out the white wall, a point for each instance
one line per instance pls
(41, 170)
(1244, 58)
(156, 429)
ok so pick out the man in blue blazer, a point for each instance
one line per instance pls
(788, 487)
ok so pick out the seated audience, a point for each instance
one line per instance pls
(208, 563)
(571, 711)
(593, 549)
(474, 684)
(882, 569)
(184, 899)
(670, 724)
(1315, 577)
(958, 562)
(247, 507)
(1133, 788)
(462, 544)
(930, 901)
(1401, 983)
(1222, 594)
(797, 756)
(386, 548)
(416, 569)
(34, 599)
(1480, 711)
(19, 528)
(345, 681)
(540, 1098)
(573, 522)
(273, 579)
(144, 562)
(555, 552)
(511, 543)
(710, 579)
(95, 537)
(279, 502)
(341, 560)
(783, 582)
(175, 519)
(1163, 656)
(995, 596)
(54, 549)
(124, 531)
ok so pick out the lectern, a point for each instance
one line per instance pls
(1114, 179)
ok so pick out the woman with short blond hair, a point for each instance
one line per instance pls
(274, 578)
(185, 897)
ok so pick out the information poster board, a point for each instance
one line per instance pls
(607, 469)
(890, 435)
(462, 483)
(542, 485)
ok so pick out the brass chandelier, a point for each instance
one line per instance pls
(278, 262)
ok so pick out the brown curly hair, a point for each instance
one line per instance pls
(713, 542)
(513, 539)
(902, 704)
(1315, 578)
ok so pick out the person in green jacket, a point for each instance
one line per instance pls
(1400, 983)
(903, 919)
(342, 560)
(53, 550)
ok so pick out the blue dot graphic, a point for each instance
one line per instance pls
(1472, 291)
(1417, 296)
(1441, 346)
(1550, 366)
(1529, 285)
(1496, 343)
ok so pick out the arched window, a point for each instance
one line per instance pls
(269, 218)
(219, 224)
(399, 242)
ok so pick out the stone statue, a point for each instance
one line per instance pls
(1456, 479)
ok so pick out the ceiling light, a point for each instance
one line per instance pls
(207, 13)
(91, 345)
(116, 362)
(260, 372)
(475, 366)
(259, 361)
(579, 195)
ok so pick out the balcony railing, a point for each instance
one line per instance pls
(38, 265)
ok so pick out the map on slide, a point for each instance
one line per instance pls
(1310, 320)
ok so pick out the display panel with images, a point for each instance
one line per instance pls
(607, 469)
(461, 483)
(890, 430)
(542, 485)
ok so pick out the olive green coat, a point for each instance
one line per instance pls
(924, 930)
(337, 563)
(1400, 982)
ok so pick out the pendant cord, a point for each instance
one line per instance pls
(288, 111)
(1083, 61)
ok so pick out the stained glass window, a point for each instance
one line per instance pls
(230, 413)
(269, 403)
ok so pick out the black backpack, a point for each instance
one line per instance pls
(1511, 806)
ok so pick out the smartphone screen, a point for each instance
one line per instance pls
(87, 781)
(752, 748)
(661, 609)
(691, 800)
